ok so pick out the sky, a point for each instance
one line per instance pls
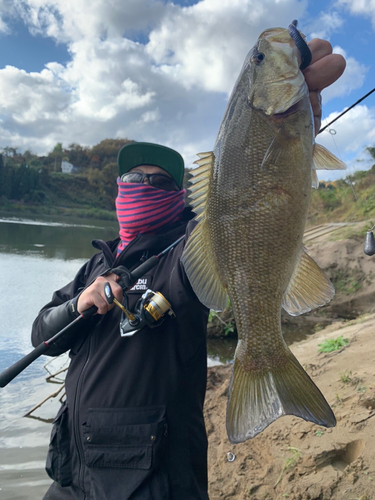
(80, 71)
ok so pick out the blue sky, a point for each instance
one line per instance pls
(82, 71)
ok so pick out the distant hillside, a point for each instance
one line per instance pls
(31, 183)
(35, 184)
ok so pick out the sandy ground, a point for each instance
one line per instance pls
(295, 459)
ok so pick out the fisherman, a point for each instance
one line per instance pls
(132, 424)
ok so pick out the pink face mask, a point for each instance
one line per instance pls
(142, 208)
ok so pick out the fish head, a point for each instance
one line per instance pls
(273, 69)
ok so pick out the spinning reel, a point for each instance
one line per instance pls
(149, 311)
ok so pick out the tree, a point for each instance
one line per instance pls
(57, 153)
(371, 151)
(78, 156)
(107, 150)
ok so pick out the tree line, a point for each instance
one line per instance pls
(29, 178)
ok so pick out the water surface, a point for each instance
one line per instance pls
(36, 258)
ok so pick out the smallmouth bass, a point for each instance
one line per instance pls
(251, 196)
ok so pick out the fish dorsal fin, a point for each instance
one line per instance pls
(197, 257)
(325, 160)
(308, 288)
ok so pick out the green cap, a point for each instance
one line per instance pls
(144, 153)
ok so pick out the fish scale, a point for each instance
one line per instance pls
(251, 196)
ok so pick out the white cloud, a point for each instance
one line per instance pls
(205, 45)
(28, 97)
(71, 20)
(7, 11)
(325, 25)
(142, 69)
(365, 8)
(145, 70)
(353, 77)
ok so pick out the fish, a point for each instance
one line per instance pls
(251, 197)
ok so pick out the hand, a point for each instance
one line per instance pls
(94, 294)
(324, 69)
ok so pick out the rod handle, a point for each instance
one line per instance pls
(89, 312)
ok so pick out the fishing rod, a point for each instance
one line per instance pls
(369, 246)
(127, 279)
(343, 113)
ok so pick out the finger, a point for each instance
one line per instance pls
(112, 279)
(319, 48)
(93, 298)
(316, 106)
(324, 71)
(117, 291)
(102, 304)
(316, 103)
(112, 276)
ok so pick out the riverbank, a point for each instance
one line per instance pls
(296, 459)
(26, 210)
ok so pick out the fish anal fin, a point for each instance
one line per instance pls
(309, 287)
(325, 160)
(256, 399)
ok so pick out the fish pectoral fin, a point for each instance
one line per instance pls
(314, 179)
(309, 287)
(197, 257)
(201, 270)
(256, 399)
(325, 160)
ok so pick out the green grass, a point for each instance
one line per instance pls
(335, 201)
(330, 345)
(290, 462)
(346, 283)
(346, 377)
(228, 326)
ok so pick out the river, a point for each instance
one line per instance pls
(38, 256)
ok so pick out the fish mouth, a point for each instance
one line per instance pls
(290, 111)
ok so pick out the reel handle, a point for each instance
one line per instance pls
(108, 292)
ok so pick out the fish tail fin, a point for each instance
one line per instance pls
(256, 399)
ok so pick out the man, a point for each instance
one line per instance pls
(132, 425)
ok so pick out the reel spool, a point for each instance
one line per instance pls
(149, 310)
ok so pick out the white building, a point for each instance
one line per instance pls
(67, 168)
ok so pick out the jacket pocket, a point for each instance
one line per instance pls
(58, 463)
(124, 452)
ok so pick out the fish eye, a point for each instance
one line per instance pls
(258, 57)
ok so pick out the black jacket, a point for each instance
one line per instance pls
(132, 426)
